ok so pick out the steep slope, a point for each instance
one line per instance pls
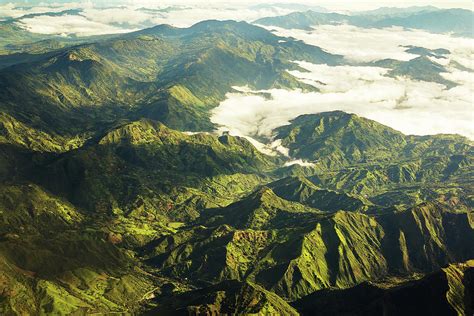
(228, 297)
(447, 292)
(140, 75)
(145, 169)
(300, 189)
(314, 251)
(335, 139)
(262, 209)
(51, 261)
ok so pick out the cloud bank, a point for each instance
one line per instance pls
(66, 25)
(412, 107)
(123, 15)
(95, 20)
(366, 44)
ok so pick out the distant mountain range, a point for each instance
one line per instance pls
(458, 22)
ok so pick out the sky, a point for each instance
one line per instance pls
(333, 5)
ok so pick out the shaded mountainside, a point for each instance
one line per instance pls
(447, 292)
(108, 204)
(315, 251)
(167, 216)
(227, 297)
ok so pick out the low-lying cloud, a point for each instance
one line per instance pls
(410, 106)
(413, 107)
(94, 20)
(66, 25)
(371, 44)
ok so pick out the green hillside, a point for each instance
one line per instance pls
(117, 196)
(139, 75)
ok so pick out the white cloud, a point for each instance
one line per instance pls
(370, 44)
(67, 25)
(300, 162)
(119, 15)
(12, 10)
(413, 107)
(181, 13)
(95, 20)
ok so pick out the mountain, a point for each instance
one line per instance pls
(142, 166)
(314, 251)
(421, 68)
(304, 20)
(337, 138)
(117, 196)
(455, 21)
(139, 75)
(407, 297)
(228, 297)
(166, 219)
(360, 157)
(302, 190)
(422, 51)
(394, 11)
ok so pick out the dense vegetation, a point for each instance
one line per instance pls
(108, 204)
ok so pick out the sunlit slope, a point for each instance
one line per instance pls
(141, 74)
(447, 292)
(249, 241)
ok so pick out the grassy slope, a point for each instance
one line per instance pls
(102, 209)
(137, 75)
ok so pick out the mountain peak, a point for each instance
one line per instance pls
(138, 132)
(337, 138)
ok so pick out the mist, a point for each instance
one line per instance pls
(412, 107)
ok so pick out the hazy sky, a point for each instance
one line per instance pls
(335, 5)
(340, 5)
